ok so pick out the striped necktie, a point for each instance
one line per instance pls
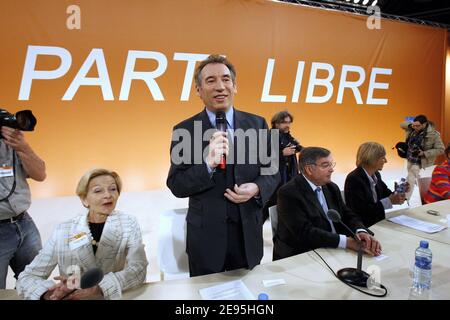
(324, 205)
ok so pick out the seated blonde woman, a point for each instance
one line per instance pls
(101, 238)
(365, 192)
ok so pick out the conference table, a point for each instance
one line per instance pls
(443, 210)
(306, 276)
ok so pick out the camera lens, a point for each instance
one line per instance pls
(25, 120)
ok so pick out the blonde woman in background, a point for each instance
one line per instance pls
(101, 238)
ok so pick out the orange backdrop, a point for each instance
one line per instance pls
(133, 136)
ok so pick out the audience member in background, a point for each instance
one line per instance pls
(424, 145)
(365, 192)
(303, 204)
(440, 181)
(103, 237)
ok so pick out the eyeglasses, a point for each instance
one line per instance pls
(324, 165)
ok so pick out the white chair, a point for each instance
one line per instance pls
(273, 214)
(343, 195)
(172, 256)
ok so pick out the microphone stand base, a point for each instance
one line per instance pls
(353, 276)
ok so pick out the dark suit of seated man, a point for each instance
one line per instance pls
(302, 206)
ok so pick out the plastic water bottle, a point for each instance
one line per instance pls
(422, 268)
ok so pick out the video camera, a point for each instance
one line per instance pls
(402, 149)
(22, 120)
(415, 151)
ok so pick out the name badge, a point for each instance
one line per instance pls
(6, 171)
(78, 240)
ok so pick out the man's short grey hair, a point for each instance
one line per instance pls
(214, 58)
(310, 155)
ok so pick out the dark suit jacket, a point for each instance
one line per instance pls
(302, 225)
(206, 218)
(358, 196)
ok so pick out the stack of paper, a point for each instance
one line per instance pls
(417, 224)
(233, 290)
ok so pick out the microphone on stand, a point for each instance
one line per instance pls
(221, 125)
(353, 276)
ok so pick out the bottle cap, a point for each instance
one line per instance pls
(424, 244)
(263, 296)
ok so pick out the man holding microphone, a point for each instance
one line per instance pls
(224, 220)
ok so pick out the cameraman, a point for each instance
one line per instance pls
(20, 239)
(289, 146)
(424, 145)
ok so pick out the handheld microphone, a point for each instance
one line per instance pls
(89, 279)
(352, 276)
(221, 125)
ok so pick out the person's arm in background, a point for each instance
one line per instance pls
(33, 165)
(437, 149)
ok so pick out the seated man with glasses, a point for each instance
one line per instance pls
(302, 208)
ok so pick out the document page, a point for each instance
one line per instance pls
(233, 290)
(417, 224)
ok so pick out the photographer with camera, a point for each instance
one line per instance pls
(21, 240)
(289, 147)
(424, 145)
